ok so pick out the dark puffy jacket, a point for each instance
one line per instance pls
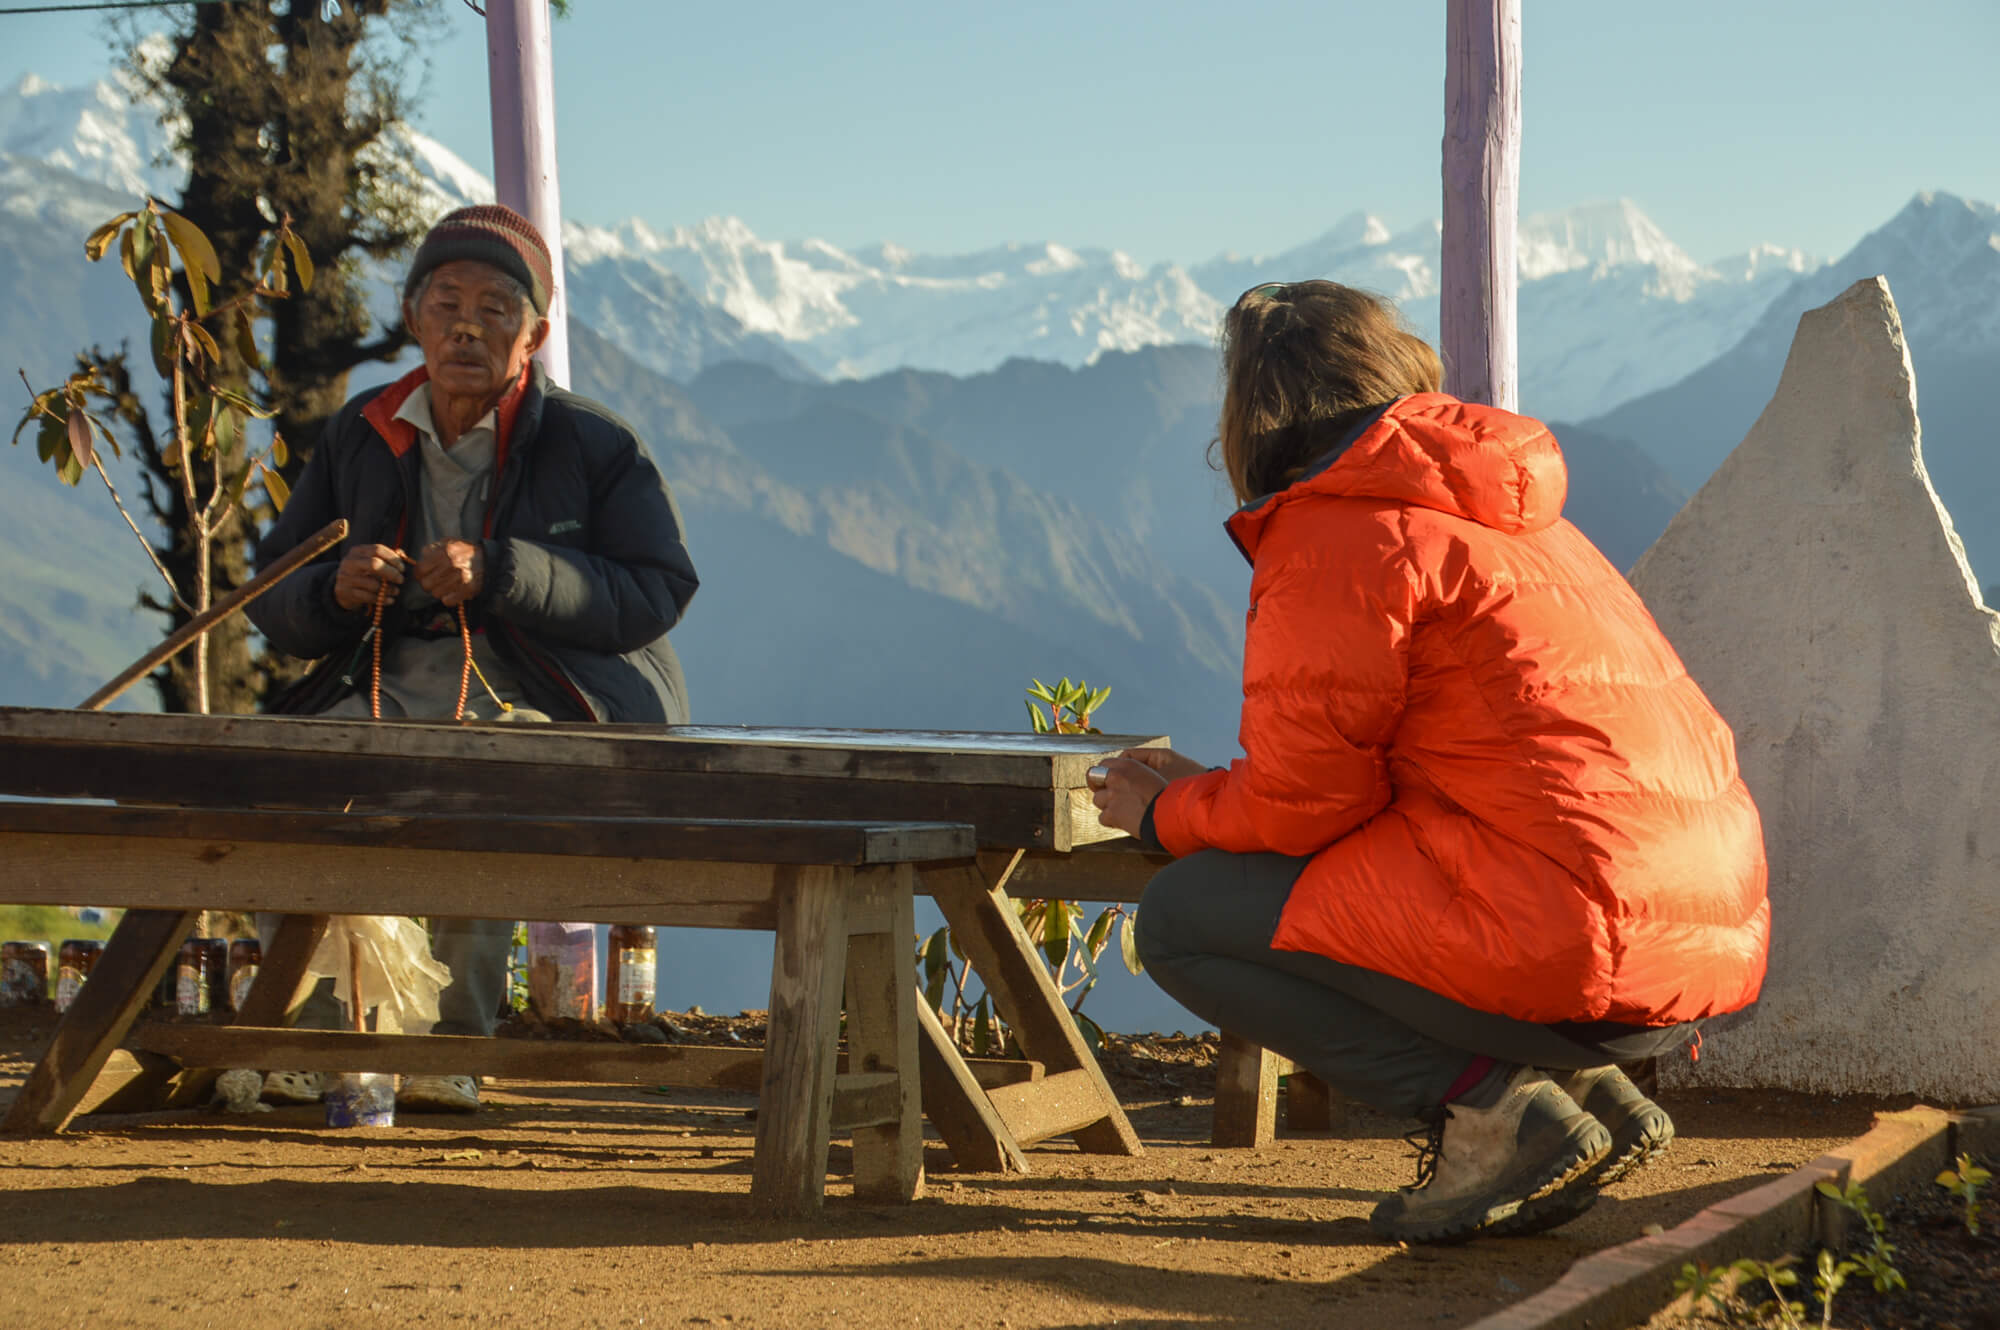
(586, 568)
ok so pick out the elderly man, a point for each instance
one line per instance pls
(511, 543)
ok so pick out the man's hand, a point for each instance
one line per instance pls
(363, 571)
(452, 570)
(1128, 788)
(1166, 761)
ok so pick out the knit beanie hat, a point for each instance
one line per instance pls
(491, 234)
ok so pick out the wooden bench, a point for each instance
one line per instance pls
(837, 896)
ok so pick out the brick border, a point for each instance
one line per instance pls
(1629, 1284)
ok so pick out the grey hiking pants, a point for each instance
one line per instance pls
(1204, 932)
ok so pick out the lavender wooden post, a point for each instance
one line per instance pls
(524, 144)
(1482, 182)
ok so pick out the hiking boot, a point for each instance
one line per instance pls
(438, 1094)
(1511, 1168)
(293, 1087)
(1639, 1127)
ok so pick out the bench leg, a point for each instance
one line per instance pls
(882, 1032)
(141, 948)
(795, 1102)
(1246, 1094)
(986, 927)
(1309, 1104)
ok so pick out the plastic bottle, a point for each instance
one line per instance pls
(629, 974)
(562, 970)
(198, 978)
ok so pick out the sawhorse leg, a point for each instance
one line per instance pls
(1075, 1100)
(141, 948)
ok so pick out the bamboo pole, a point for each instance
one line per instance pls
(521, 84)
(1482, 185)
(194, 629)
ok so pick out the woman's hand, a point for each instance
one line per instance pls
(1174, 766)
(363, 571)
(1124, 792)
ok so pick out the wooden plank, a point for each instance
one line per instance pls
(1116, 870)
(149, 871)
(1246, 1094)
(220, 1046)
(1030, 761)
(1065, 1104)
(1309, 1104)
(985, 926)
(958, 1106)
(1482, 183)
(869, 1101)
(140, 950)
(992, 1073)
(795, 1097)
(128, 1083)
(708, 841)
(882, 1034)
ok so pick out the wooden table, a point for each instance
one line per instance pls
(1019, 793)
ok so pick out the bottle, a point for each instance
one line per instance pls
(562, 970)
(24, 974)
(75, 959)
(629, 974)
(246, 956)
(198, 978)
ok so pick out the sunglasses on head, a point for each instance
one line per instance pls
(1269, 288)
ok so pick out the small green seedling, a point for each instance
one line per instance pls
(1964, 1182)
(1878, 1263)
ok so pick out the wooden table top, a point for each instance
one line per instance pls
(1017, 790)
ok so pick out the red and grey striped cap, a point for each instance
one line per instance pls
(489, 233)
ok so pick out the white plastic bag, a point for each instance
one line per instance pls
(399, 979)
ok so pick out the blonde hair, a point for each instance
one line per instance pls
(1301, 362)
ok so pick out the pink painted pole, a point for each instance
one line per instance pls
(522, 84)
(1482, 186)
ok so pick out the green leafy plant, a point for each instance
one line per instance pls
(1965, 1182)
(1878, 1262)
(204, 450)
(1069, 706)
(1072, 948)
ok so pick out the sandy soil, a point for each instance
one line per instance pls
(589, 1206)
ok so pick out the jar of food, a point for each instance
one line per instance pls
(629, 974)
(75, 959)
(24, 974)
(246, 956)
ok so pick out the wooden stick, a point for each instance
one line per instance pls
(319, 543)
(358, 1018)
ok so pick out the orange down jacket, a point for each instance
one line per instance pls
(1513, 793)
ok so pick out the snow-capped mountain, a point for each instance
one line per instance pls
(1610, 308)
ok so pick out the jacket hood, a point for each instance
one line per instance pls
(1477, 462)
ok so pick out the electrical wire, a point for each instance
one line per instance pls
(106, 4)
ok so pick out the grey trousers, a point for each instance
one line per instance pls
(1204, 933)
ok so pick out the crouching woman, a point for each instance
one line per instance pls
(1488, 839)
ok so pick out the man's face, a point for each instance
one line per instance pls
(475, 330)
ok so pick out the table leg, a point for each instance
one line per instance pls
(957, 1105)
(795, 1101)
(1246, 1094)
(140, 950)
(882, 1034)
(984, 924)
(1309, 1104)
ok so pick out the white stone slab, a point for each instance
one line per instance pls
(1817, 591)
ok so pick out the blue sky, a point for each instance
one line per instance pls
(1179, 130)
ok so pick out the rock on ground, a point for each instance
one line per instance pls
(1817, 591)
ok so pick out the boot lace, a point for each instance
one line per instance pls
(1429, 1142)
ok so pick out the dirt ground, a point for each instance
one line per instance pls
(595, 1206)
